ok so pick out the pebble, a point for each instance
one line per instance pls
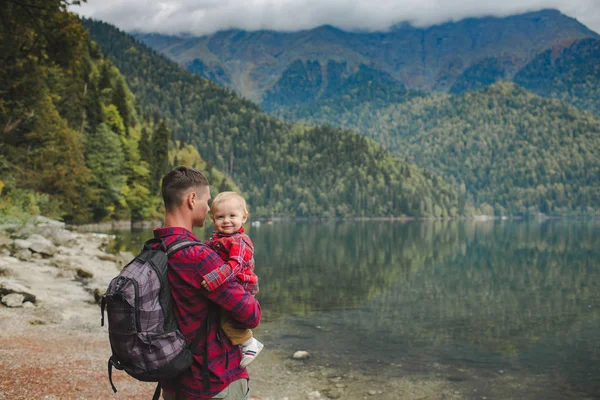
(301, 355)
(28, 304)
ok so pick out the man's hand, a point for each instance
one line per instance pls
(205, 285)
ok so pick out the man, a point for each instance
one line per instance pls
(186, 193)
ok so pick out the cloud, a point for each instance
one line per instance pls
(199, 17)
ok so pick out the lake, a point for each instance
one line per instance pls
(474, 299)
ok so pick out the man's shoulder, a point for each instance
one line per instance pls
(201, 256)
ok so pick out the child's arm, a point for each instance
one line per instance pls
(239, 252)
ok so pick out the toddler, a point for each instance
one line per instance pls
(228, 212)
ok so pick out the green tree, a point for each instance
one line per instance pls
(119, 99)
(105, 159)
(145, 147)
(160, 154)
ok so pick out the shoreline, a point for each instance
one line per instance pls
(124, 225)
(53, 347)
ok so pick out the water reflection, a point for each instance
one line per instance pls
(520, 296)
(514, 296)
(319, 267)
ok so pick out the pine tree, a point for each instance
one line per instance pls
(104, 82)
(93, 106)
(160, 154)
(144, 146)
(105, 159)
(119, 99)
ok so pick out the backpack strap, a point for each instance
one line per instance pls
(180, 245)
(156, 395)
(113, 362)
(205, 327)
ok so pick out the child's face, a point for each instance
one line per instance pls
(228, 216)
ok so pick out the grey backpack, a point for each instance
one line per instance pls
(144, 337)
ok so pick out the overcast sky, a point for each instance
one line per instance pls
(200, 17)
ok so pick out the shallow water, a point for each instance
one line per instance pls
(472, 299)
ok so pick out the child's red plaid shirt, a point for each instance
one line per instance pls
(237, 249)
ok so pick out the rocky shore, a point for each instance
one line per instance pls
(52, 346)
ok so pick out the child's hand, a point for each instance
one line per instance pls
(205, 285)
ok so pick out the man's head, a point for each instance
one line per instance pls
(186, 190)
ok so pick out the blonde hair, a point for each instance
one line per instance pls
(226, 196)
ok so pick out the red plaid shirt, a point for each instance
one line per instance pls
(186, 269)
(237, 249)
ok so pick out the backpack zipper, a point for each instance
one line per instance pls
(117, 289)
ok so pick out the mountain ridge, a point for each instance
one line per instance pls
(421, 58)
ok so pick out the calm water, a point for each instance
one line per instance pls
(472, 300)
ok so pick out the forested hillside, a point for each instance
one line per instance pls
(284, 169)
(307, 86)
(503, 146)
(73, 144)
(572, 75)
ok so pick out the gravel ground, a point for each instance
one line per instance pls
(41, 358)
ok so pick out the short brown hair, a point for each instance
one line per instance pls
(177, 181)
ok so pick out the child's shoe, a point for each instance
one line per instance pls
(250, 351)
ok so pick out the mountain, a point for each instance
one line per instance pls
(284, 169)
(252, 63)
(501, 145)
(304, 85)
(571, 74)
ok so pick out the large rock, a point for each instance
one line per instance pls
(58, 236)
(21, 244)
(41, 245)
(13, 300)
(39, 220)
(35, 224)
(9, 287)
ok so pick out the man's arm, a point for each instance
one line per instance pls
(242, 306)
(230, 296)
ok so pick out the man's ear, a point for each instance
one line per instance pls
(190, 199)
